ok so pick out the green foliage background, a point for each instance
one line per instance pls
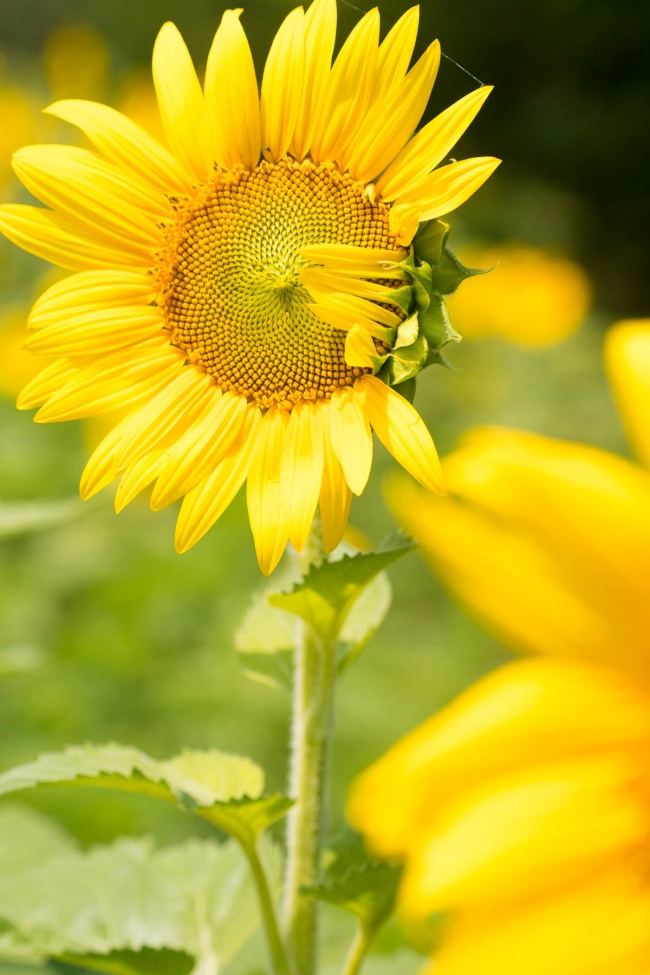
(135, 643)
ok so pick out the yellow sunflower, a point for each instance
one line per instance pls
(253, 292)
(523, 808)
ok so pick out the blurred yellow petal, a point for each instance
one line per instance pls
(402, 431)
(88, 291)
(627, 359)
(97, 332)
(181, 102)
(48, 381)
(232, 97)
(137, 478)
(282, 86)
(531, 296)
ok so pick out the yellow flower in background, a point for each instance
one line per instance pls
(241, 307)
(76, 62)
(523, 808)
(531, 297)
(627, 359)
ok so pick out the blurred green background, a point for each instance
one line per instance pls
(129, 641)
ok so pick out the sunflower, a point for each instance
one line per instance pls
(523, 807)
(252, 293)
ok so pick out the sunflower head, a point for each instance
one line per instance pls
(259, 293)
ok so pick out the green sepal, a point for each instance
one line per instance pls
(430, 246)
(436, 327)
(356, 883)
(403, 298)
(406, 362)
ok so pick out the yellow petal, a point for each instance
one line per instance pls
(89, 291)
(97, 333)
(266, 513)
(231, 96)
(364, 262)
(176, 406)
(124, 143)
(100, 468)
(320, 281)
(335, 498)
(351, 437)
(282, 86)
(111, 383)
(197, 453)
(320, 34)
(208, 500)
(601, 927)
(301, 472)
(448, 187)
(533, 712)
(136, 478)
(395, 53)
(393, 120)
(430, 146)
(56, 239)
(627, 358)
(402, 431)
(529, 834)
(349, 88)
(403, 222)
(180, 99)
(47, 382)
(360, 350)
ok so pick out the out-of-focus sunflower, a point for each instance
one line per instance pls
(532, 297)
(522, 808)
(253, 293)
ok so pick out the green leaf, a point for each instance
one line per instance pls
(435, 325)
(430, 245)
(130, 909)
(147, 961)
(364, 617)
(327, 593)
(224, 789)
(352, 881)
(23, 517)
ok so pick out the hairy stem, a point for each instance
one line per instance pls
(358, 950)
(312, 720)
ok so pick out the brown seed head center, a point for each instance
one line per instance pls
(231, 278)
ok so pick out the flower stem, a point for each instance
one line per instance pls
(312, 719)
(279, 963)
(358, 950)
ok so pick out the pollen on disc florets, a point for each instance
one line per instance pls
(230, 277)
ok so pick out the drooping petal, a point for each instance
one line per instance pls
(430, 146)
(137, 477)
(351, 437)
(301, 473)
(349, 88)
(449, 186)
(282, 86)
(393, 120)
(197, 453)
(402, 431)
(231, 96)
(97, 333)
(266, 512)
(181, 102)
(360, 349)
(90, 291)
(321, 281)
(320, 34)
(124, 143)
(173, 409)
(39, 389)
(364, 262)
(113, 382)
(207, 501)
(58, 240)
(335, 497)
(627, 359)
